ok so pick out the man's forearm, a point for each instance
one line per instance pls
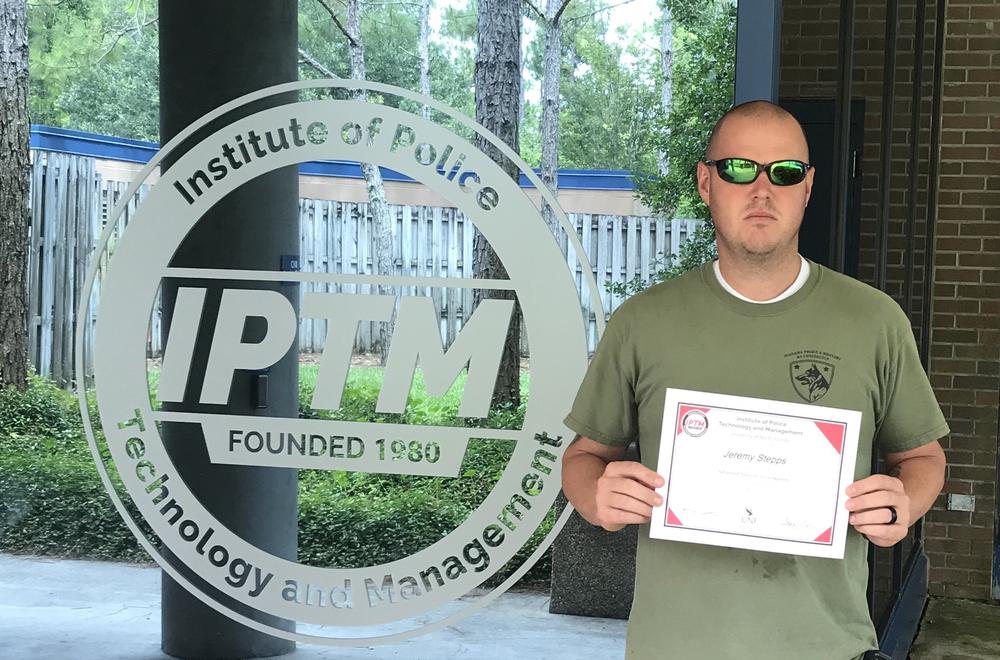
(923, 479)
(580, 474)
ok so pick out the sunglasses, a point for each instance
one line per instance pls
(743, 170)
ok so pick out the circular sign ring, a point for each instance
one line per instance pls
(92, 278)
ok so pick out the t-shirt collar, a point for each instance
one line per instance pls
(799, 282)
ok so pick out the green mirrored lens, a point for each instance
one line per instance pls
(787, 172)
(738, 170)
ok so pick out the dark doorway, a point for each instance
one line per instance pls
(817, 118)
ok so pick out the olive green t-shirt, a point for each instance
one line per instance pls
(835, 342)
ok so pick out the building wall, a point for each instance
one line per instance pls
(965, 336)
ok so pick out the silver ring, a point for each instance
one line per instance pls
(892, 510)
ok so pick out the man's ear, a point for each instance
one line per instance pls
(704, 181)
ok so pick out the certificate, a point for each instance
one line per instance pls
(755, 474)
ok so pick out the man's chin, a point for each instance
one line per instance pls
(759, 252)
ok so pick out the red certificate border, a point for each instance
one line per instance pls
(829, 429)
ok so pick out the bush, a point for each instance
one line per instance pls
(56, 505)
(41, 409)
(52, 501)
(356, 531)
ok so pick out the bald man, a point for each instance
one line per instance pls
(738, 326)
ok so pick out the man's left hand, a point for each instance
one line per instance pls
(869, 502)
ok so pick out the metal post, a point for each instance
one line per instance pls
(885, 144)
(883, 220)
(934, 168)
(758, 50)
(916, 101)
(842, 158)
(211, 53)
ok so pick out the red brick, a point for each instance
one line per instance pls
(981, 229)
(958, 487)
(969, 562)
(956, 275)
(963, 183)
(963, 591)
(971, 533)
(976, 382)
(978, 291)
(963, 153)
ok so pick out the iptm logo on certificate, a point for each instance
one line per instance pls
(694, 422)
(755, 474)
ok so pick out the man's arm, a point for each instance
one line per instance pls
(608, 492)
(915, 479)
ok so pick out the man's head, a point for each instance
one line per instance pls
(756, 221)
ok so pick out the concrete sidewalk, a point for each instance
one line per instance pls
(954, 629)
(54, 608)
(85, 610)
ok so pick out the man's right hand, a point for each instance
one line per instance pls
(625, 495)
(605, 490)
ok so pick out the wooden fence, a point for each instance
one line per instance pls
(70, 205)
(437, 242)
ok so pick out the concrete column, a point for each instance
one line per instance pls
(211, 53)
(758, 50)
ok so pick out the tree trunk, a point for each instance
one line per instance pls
(550, 111)
(498, 96)
(13, 193)
(425, 55)
(381, 221)
(667, 70)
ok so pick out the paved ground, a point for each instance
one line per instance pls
(103, 611)
(958, 630)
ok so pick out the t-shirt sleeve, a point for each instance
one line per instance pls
(911, 416)
(605, 409)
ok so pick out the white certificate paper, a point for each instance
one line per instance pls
(755, 474)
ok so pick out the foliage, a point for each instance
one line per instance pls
(357, 531)
(121, 94)
(390, 36)
(52, 501)
(698, 249)
(609, 97)
(94, 66)
(54, 504)
(703, 75)
(41, 406)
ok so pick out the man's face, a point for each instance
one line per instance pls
(759, 219)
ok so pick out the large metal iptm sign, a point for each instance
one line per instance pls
(352, 600)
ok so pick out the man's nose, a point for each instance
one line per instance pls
(762, 188)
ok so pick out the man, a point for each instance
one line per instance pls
(760, 322)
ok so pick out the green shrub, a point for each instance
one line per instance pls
(41, 409)
(56, 505)
(52, 501)
(356, 531)
(360, 396)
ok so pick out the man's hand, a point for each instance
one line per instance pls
(625, 495)
(869, 502)
(604, 489)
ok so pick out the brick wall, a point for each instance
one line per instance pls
(965, 349)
